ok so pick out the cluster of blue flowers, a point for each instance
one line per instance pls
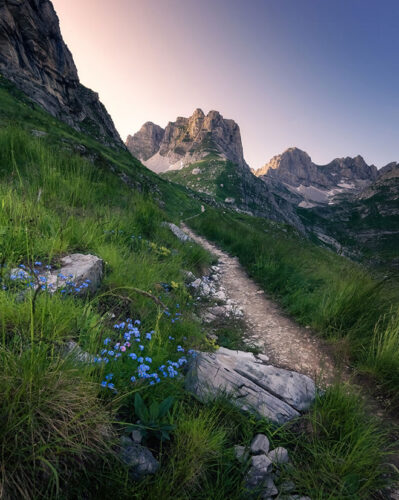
(131, 348)
(34, 278)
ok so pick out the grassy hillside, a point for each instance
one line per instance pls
(62, 419)
(212, 176)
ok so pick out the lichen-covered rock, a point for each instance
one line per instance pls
(270, 392)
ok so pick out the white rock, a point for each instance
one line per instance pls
(279, 456)
(262, 463)
(179, 233)
(270, 392)
(78, 268)
(220, 295)
(196, 283)
(260, 444)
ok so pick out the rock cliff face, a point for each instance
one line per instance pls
(34, 56)
(146, 142)
(186, 141)
(316, 184)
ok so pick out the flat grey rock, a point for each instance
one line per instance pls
(267, 391)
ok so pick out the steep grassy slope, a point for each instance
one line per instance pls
(212, 176)
(61, 420)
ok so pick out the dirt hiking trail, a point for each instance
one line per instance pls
(287, 344)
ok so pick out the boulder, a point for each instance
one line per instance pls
(267, 391)
(259, 473)
(84, 270)
(140, 460)
(279, 456)
(260, 444)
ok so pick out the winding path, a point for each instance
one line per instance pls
(287, 344)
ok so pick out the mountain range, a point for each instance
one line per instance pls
(345, 204)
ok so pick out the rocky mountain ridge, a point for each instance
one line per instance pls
(311, 184)
(187, 140)
(35, 58)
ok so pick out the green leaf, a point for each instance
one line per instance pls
(140, 408)
(165, 406)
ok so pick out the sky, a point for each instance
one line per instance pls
(321, 75)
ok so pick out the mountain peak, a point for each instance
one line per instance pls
(313, 184)
(188, 140)
(198, 112)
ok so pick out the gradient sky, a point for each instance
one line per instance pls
(322, 75)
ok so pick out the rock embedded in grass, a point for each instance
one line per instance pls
(260, 444)
(81, 269)
(279, 456)
(269, 392)
(179, 233)
(140, 461)
(241, 453)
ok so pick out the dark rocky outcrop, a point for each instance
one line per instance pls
(187, 140)
(35, 58)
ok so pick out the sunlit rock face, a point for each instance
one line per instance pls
(34, 56)
(187, 140)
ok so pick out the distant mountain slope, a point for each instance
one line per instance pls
(34, 56)
(312, 184)
(365, 225)
(187, 140)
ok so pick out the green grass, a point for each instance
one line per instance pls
(216, 177)
(334, 296)
(60, 428)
